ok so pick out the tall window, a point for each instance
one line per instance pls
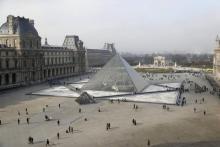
(31, 44)
(14, 78)
(7, 63)
(25, 64)
(16, 63)
(37, 44)
(33, 63)
(6, 79)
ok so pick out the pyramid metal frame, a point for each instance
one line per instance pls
(116, 75)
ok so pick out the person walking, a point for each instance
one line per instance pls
(58, 135)
(59, 106)
(194, 110)
(196, 101)
(28, 121)
(58, 122)
(204, 112)
(71, 129)
(18, 121)
(107, 126)
(31, 140)
(80, 110)
(148, 142)
(47, 142)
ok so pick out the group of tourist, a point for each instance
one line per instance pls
(47, 118)
(69, 130)
(135, 106)
(153, 76)
(134, 121)
(108, 126)
(201, 101)
(165, 107)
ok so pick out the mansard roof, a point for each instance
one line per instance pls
(21, 26)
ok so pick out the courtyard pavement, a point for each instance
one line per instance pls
(178, 126)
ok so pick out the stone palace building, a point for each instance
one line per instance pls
(24, 61)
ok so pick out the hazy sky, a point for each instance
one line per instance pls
(137, 26)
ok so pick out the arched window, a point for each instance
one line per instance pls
(6, 79)
(14, 78)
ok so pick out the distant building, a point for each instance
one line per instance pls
(99, 57)
(161, 61)
(216, 59)
(23, 60)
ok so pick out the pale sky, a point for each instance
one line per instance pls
(136, 26)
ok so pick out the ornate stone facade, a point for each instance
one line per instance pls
(159, 61)
(23, 60)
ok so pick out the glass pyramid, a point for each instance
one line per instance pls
(116, 75)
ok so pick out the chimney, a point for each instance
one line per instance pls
(31, 21)
(46, 41)
(10, 20)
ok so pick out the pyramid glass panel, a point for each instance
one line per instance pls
(116, 75)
